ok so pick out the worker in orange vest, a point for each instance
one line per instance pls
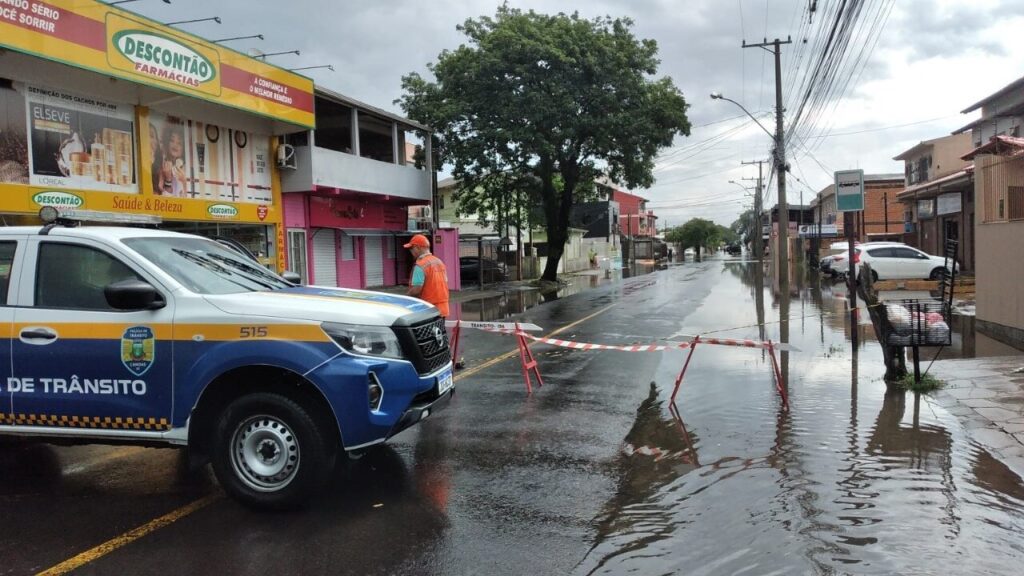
(429, 276)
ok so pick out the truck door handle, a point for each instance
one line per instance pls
(38, 334)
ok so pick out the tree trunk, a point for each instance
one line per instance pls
(894, 356)
(557, 206)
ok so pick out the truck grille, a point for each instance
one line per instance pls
(425, 344)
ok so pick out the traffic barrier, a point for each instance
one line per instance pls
(691, 344)
(529, 363)
(771, 347)
(526, 359)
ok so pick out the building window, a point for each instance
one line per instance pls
(1016, 197)
(333, 126)
(297, 254)
(376, 138)
(348, 248)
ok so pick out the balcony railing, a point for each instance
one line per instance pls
(320, 167)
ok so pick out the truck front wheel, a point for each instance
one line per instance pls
(270, 452)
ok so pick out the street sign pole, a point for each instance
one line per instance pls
(849, 186)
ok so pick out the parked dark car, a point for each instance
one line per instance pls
(470, 268)
(734, 249)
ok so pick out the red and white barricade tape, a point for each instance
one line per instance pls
(649, 347)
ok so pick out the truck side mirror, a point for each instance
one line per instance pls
(133, 295)
(292, 277)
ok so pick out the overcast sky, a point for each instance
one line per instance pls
(933, 59)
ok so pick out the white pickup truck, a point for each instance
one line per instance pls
(141, 336)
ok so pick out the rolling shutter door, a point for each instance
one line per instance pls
(374, 254)
(325, 258)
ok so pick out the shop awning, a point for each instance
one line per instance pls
(938, 185)
(377, 232)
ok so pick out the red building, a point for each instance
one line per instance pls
(634, 217)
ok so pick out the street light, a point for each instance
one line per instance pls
(779, 157)
(328, 66)
(260, 36)
(214, 18)
(746, 189)
(296, 52)
(718, 96)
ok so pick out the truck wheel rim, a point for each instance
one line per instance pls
(264, 453)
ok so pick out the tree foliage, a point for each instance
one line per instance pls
(552, 101)
(697, 233)
(745, 226)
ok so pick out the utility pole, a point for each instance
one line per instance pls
(780, 160)
(885, 202)
(759, 243)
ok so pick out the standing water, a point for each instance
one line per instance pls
(852, 479)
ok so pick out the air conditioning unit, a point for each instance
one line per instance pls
(286, 156)
(420, 212)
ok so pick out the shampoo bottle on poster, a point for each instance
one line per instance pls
(99, 161)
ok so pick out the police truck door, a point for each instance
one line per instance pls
(77, 361)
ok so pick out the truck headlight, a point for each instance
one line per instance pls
(365, 340)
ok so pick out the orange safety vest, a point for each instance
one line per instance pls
(435, 285)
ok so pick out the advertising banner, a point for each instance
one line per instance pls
(949, 203)
(191, 159)
(13, 137)
(811, 230)
(80, 143)
(106, 39)
(925, 209)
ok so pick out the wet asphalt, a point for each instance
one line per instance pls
(592, 473)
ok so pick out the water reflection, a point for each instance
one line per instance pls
(853, 479)
(656, 451)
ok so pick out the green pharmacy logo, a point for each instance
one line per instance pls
(58, 199)
(222, 211)
(164, 58)
(138, 349)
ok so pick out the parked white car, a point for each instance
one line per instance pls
(837, 263)
(898, 262)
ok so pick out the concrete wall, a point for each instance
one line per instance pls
(1000, 296)
(322, 167)
(946, 155)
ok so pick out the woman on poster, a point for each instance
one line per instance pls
(172, 171)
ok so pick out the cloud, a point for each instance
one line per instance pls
(934, 58)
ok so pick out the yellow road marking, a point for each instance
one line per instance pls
(511, 353)
(128, 537)
(175, 515)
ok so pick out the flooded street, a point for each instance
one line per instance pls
(852, 479)
(593, 473)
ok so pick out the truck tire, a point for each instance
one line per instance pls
(270, 452)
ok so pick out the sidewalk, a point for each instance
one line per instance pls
(987, 395)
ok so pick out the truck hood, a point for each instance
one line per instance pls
(322, 304)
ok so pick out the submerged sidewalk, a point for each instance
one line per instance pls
(987, 395)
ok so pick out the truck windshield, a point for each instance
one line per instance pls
(206, 267)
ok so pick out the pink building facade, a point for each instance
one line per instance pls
(348, 192)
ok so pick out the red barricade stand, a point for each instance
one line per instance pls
(455, 340)
(527, 361)
(780, 384)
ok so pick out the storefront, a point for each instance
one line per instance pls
(354, 241)
(349, 191)
(941, 210)
(104, 110)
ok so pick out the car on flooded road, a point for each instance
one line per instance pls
(474, 269)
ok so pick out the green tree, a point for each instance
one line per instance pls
(554, 100)
(697, 233)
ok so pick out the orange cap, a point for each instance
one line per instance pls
(418, 240)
